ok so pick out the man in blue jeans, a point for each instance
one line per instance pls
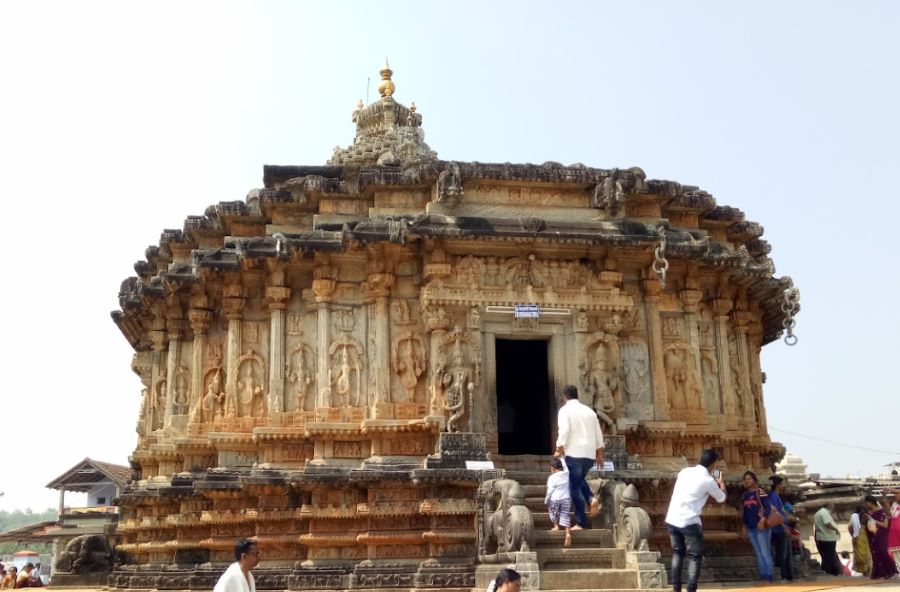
(580, 441)
(693, 487)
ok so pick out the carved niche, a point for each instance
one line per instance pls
(458, 373)
(599, 370)
(181, 393)
(251, 385)
(159, 404)
(634, 375)
(301, 373)
(347, 362)
(741, 396)
(408, 357)
(682, 382)
(211, 405)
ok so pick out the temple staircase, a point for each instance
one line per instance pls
(594, 561)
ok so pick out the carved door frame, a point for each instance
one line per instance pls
(559, 334)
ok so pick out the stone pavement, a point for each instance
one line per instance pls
(837, 584)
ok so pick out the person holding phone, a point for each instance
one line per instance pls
(693, 486)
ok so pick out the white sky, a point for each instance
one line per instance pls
(118, 119)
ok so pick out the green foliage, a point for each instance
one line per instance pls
(17, 518)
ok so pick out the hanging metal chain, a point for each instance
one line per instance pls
(660, 263)
(790, 307)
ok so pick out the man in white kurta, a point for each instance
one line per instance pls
(580, 441)
(237, 578)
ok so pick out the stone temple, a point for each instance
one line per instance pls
(322, 361)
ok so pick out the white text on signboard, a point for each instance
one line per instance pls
(527, 311)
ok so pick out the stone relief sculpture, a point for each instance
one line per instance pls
(159, 404)
(86, 554)
(710, 368)
(745, 405)
(457, 377)
(251, 385)
(599, 376)
(400, 312)
(634, 374)
(140, 427)
(301, 364)
(634, 527)
(182, 391)
(212, 404)
(408, 361)
(682, 383)
(345, 373)
(449, 187)
(506, 525)
(470, 270)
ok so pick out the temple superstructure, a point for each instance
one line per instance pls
(313, 355)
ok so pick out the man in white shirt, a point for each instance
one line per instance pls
(580, 441)
(237, 578)
(692, 488)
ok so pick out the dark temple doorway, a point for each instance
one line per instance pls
(523, 397)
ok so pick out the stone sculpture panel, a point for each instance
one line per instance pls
(634, 376)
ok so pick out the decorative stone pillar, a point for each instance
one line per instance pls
(436, 323)
(173, 325)
(379, 290)
(157, 411)
(690, 300)
(741, 323)
(324, 290)
(200, 319)
(723, 306)
(277, 298)
(754, 369)
(652, 297)
(233, 306)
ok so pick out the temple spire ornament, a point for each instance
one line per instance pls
(386, 86)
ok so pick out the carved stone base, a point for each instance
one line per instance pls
(614, 451)
(454, 449)
(651, 573)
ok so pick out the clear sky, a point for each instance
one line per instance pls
(118, 119)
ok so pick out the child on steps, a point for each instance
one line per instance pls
(557, 499)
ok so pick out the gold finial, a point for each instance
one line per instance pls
(359, 104)
(386, 86)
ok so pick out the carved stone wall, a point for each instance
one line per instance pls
(300, 352)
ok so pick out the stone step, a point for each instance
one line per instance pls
(607, 590)
(588, 579)
(595, 538)
(581, 558)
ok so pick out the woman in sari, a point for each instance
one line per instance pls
(862, 557)
(894, 531)
(883, 565)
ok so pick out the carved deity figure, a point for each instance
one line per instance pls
(142, 415)
(182, 391)
(682, 382)
(409, 362)
(600, 383)
(211, 405)
(634, 375)
(159, 405)
(710, 377)
(456, 381)
(344, 374)
(301, 374)
(250, 391)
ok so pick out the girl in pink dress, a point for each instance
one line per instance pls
(893, 543)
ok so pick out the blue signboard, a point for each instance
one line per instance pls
(527, 311)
